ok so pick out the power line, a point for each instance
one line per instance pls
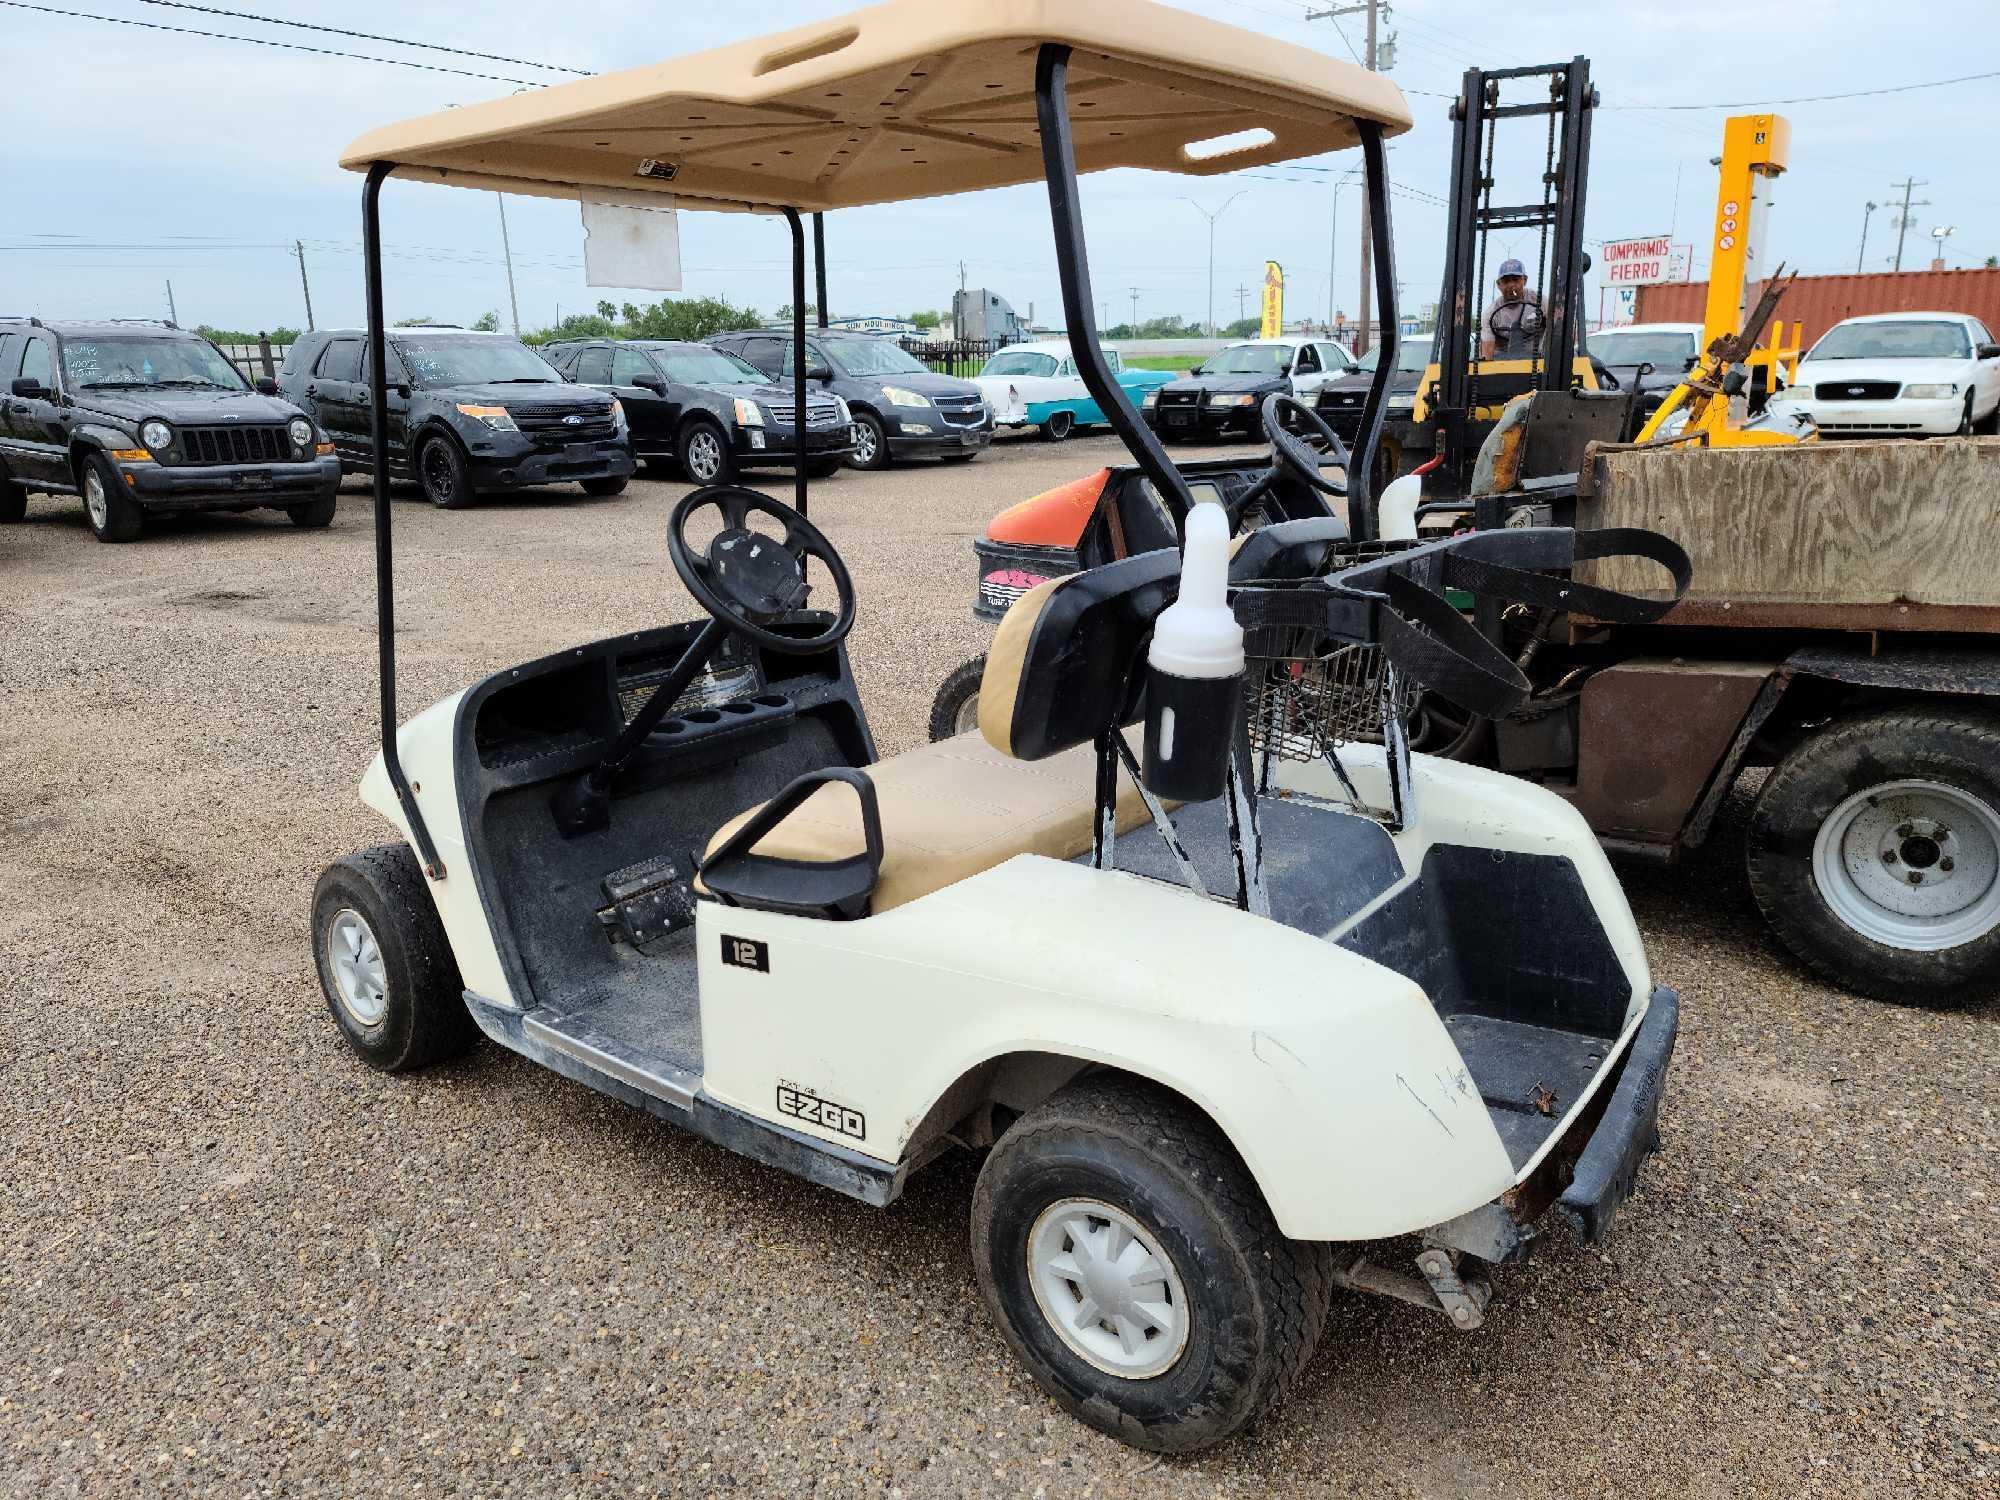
(1900, 88)
(257, 41)
(366, 36)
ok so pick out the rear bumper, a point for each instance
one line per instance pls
(214, 486)
(1629, 1130)
(603, 460)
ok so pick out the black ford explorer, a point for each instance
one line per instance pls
(146, 417)
(469, 413)
(705, 410)
(901, 409)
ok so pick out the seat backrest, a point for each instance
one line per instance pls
(1060, 670)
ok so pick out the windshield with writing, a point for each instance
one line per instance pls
(139, 360)
(1913, 340)
(473, 361)
(1251, 359)
(875, 357)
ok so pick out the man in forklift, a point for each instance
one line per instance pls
(1513, 324)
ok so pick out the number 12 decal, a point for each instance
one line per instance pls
(746, 953)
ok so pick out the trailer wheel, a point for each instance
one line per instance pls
(1874, 853)
(1135, 1269)
(955, 710)
(384, 964)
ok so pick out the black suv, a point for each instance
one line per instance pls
(706, 410)
(900, 409)
(469, 413)
(139, 417)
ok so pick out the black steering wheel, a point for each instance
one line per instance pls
(1296, 453)
(746, 579)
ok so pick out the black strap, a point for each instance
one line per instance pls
(1429, 642)
(1465, 569)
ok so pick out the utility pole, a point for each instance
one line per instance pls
(1212, 217)
(1903, 220)
(173, 317)
(299, 249)
(1242, 291)
(961, 276)
(1868, 212)
(1135, 309)
(1377, 55)
(507, 250)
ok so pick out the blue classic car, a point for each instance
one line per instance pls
(1036, 385)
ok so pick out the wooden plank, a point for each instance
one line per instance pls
(1879, 525)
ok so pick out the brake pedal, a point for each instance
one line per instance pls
(648, 903)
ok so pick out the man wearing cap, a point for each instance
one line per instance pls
(1513, 325)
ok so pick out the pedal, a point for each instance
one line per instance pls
(648, 903)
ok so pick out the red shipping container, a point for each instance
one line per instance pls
(1822, 301)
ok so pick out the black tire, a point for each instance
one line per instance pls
(13, 500)
(1989, 425)
(441, 473)
(957, 697)
(423, 1016)
(1255, 1301)
(1965, 423)
(609, 484)
(1058, 427)
(871, 442)
(113, 514)
(703, 451)
(314, 514)
(1818, 786)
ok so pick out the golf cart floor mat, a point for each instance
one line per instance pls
(657, 1018)
(1321, 865)
(1528, 1076)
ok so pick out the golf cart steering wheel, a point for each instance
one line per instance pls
(746, 579)
(1295, 453)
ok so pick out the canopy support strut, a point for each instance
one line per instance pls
(1073, 264)
(819, 263)
(385, 573)
(799, 423)
(1361, 497)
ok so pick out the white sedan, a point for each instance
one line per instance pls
(1914, 374)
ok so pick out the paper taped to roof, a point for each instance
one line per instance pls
(909, 99)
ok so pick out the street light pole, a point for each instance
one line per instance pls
(1868, 213)
(1212, 217)
(1333, 244)
(507, 249)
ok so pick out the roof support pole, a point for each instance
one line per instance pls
(819, 263)
(385, 572)
(798, 359)
(1073, 264)
(1361, 520)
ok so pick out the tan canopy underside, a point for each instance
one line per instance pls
(908, 99)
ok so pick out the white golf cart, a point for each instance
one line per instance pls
(1214, 1046)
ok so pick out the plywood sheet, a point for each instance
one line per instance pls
(1892, 526)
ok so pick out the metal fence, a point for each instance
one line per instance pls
(961, 357)
(258, 359)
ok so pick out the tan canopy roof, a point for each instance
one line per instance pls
(908, 99)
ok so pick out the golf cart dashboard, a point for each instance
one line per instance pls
(554, 716)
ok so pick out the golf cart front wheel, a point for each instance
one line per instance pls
(384, 964)
(955, 709)
(1874, 853)
(1137, 1272)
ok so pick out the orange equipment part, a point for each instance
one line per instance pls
(1054, 518)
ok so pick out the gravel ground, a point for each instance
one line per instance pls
(240, 1263)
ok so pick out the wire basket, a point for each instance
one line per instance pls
(1307, 696)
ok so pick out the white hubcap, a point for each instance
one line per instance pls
(1107, 1288)
(94, 500)
(360, 981)
(704, 455)
(968, 715)
(1912, 865)
(864, 442)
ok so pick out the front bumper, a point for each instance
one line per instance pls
(774, 445)
(216, 486)
(1206, 420)
(933, 441)
(606, 459)
(1899, 417)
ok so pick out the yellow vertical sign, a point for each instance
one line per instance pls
(1274, 301)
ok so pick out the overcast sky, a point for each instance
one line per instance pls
(135, 156)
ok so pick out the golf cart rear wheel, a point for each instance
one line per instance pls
(1137, 1272)
(386, 969)
(1874, 853)
(955, 710)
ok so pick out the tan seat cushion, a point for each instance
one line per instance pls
(950, 810)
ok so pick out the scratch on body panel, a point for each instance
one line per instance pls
(1426, 1108)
